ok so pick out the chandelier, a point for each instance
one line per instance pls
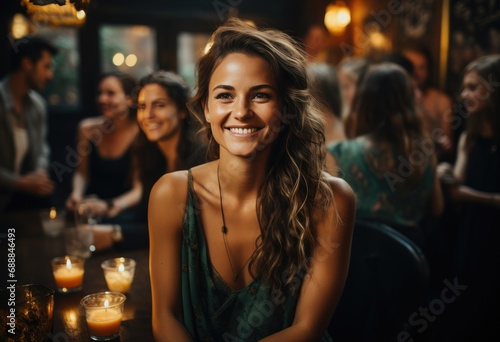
(57, 12)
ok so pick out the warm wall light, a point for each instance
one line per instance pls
(131, 60)
(118, 59)
(20, 26)
(337, 17)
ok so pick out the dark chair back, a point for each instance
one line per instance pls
(387, 281)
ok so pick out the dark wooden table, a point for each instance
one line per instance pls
(34, 251)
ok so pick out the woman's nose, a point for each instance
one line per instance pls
(241, 109)
(463, 94)
(148, 112)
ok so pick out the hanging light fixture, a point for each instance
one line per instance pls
(337, 17)
(57, 12)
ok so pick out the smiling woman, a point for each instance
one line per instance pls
(241, 258)
(244, 106)
(105, 151)
(167, 141)
(474, 182)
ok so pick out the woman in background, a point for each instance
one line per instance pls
(388, 161)
(167, 142)
(104, 170)
(474, 185)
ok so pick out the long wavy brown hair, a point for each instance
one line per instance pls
(488, 68)
(384, 107)
(294, 187)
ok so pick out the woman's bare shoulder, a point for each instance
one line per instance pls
(342, 191)
(171, 185)
(343, 205)
(167, 204)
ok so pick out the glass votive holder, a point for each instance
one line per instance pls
(119, 273)
(53, 221)
(26, 313)
(79, 241)
(68, 273)
(103, 313)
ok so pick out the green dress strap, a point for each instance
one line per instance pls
(212, 311)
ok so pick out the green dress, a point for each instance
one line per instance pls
(378, 195)
(212, 311)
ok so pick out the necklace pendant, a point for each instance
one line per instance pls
(224, 230)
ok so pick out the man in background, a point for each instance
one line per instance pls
(436, 105)
(24, 153)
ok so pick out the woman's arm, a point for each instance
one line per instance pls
(127, 199)
(165, 239)
(446, 110)
(80, 176)
(111, 207)
(460, 192)
(467, 194)
(436, 201)
(461, 162)
(323, 285)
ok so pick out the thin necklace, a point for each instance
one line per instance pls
(224, 233)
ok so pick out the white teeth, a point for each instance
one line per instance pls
(243, 130)
(152, 125)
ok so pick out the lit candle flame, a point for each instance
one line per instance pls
(121, 268)
(68, 264)
(52, 213)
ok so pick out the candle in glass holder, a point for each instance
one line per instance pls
(119, 273)
(68, 273)
(103, 313)
(52, 221)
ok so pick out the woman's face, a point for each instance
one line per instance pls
(157, 114)
(243, 105)
(474, 94)
(111, 99)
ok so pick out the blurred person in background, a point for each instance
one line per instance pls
(436, 105)
(391, 171)
(316, 42)
(473, 184)
(349, 72)
(24, 153)
(167, 142)
(104, 179)
(325, 89)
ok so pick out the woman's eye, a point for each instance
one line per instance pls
(141, 107)
(223, 96)
(263, 96)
